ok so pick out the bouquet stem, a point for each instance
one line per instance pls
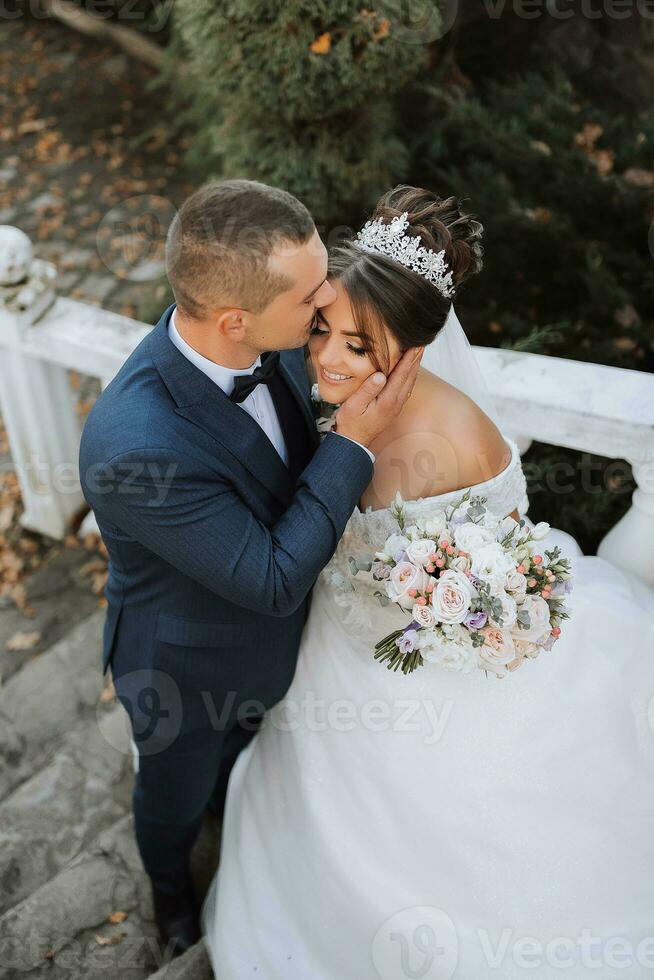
(387, 652)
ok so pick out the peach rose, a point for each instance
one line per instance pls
(452, 597)
(498, 649)
(405, 577)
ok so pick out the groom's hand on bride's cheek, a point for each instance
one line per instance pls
(366, 413)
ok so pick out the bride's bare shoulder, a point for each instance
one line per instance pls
(441, 442)
(442, 416)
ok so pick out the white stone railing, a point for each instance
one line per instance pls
(588, 407)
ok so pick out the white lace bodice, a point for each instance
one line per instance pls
(366, 532)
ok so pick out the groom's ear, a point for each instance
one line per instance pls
(231, 324)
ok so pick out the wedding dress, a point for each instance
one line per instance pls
(443, 825)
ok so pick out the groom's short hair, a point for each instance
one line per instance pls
(219, 243)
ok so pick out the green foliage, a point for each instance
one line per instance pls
(331, 101)
(566, 226)
(581, 493)
(296, 94)
(155, 298)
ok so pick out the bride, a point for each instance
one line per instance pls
(440, 825)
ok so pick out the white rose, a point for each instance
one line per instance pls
(540, 531)
(516, 585)
(452, 597)
(403, 577)
(539, 616)
(419, 551)
(423, 616)
(506, 526)
(447, 652)
(460, 564)
(509, 610)
(491, 561)
(468, 537)
(490, 520)
(524, 648)
(435, 526)
(455, 633)
(522, 554)
(395, 543)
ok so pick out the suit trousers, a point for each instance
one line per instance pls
(174, 781)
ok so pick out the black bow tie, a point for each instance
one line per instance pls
(244, 384)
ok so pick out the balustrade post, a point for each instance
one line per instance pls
(630, 544)
(36, 400)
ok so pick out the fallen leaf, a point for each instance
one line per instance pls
(603, 160)
(18, 593)
(627, 316)
(322, 44)
(23, 641)
(117, 917)
(639, 177)
(588, 135)
(624, 343)
(109, 694)
(84, 405)
(98, 582)
(383, 30)
(110, 940)
(29, 545)
(95, 565)
(31, 126)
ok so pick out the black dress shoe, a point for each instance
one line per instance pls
(177, 918)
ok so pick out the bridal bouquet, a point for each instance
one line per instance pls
(474, 586)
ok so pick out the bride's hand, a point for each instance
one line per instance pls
(366, 413)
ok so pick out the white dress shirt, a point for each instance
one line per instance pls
(258, 404)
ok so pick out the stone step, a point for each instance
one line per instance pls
(59, 597)
(62, 808)
(62, 930)
(49, 697)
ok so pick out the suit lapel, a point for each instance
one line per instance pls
(206, 405)
(293, 370)
(241, 436)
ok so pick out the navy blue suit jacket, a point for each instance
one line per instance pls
(213, 550)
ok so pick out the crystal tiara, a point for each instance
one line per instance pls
(389, 240)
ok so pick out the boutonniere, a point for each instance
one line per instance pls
(323, 412)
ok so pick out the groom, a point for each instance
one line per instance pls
(219, 507)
